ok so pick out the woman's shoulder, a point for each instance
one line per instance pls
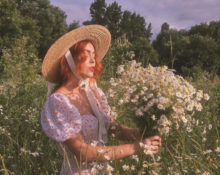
(59, 100)
(57, 97)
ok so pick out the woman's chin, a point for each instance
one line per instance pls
(85, 76)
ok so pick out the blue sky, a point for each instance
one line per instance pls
(179, 14)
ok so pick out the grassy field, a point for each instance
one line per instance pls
(25, 149)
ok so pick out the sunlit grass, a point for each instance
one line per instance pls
(26, 150)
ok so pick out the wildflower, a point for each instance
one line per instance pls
(150, 95)
(109, 168)
(141, 172)
(147, 150)
(217, 149)
(189, 129)
(106, 157)
(161, 107)
(210, 126)
(135, 157)
(153, 117)
(139, 112)
(125, 167)
(206, 97)
(141, 144)
(132, 167)
(207, 151)
(189, 107)
(197, 170)
(184, 119)
(165, 130)
(158, 158)
(94, 143)
(134, 100)
(150, 103)
(154, 172)
(113, 83)
(144, 88)
(178, 94)
(198, 106)
(100, 166)
(204, 139)
(145, 98)
(121, 101)
(24, 150)
(35, 154)
(163, 100)
(145, 165)
(141, 92)
(94, 171)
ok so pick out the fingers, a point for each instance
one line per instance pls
(156, 140)
(155, 149)
(155, 143)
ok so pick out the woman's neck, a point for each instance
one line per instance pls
(72, 83)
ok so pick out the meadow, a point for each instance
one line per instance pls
(26, 150)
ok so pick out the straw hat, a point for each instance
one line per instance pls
(98, 34)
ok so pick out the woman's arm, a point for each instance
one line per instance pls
(89, 153)
(124, 133)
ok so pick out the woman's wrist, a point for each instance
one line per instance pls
(137, 147)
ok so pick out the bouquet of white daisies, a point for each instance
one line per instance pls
(156, 97)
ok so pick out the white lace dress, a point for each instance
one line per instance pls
(60, 120)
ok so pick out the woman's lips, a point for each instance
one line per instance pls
(92, 69)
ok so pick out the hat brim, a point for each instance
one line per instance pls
(99, 35)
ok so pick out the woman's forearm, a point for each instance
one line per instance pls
(89, 153)
(116, 152)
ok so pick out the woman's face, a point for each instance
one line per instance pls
(88, 66)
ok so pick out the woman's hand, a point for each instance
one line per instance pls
(152, 144)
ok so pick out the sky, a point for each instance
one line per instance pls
(179, 14)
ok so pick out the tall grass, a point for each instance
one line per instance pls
(25, 149)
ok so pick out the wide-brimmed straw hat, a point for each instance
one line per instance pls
(99, 35)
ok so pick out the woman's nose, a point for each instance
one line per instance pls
(92, 58)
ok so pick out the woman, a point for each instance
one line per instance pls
(76, 113)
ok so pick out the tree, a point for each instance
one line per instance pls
(165, 27)
(148, 31)
(50, 19)
(13, 25)
(202, 51)
(113, 18)
(97, 12)
(170, 44)
(214, 30)
(144, 52)
(134, 26)
(73, 25)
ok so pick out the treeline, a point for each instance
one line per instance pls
(37, 20)
(192, 51)
(40, 23)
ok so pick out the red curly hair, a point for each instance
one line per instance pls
(79, 56)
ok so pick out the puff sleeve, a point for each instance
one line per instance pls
(60, 120)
